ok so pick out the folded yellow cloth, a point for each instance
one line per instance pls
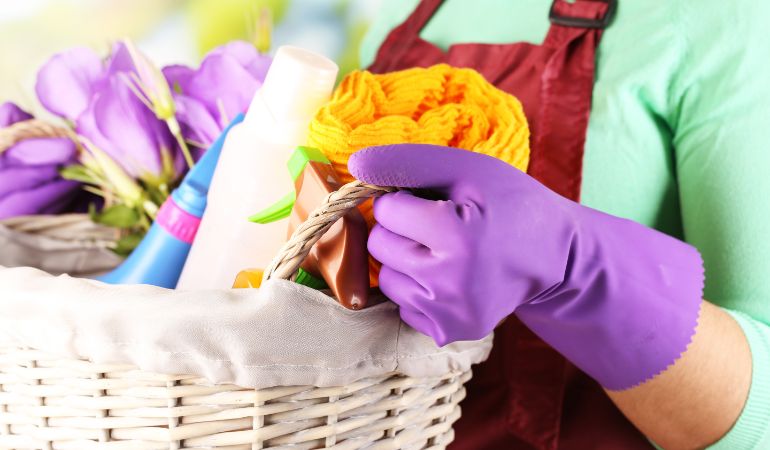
(440, 105)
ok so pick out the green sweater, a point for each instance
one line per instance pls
(679, 139)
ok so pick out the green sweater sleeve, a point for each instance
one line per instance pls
(722, 147)
(722, 157)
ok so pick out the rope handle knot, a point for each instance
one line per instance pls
(335, 205)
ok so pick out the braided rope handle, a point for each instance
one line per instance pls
(32, 129)
(335, 205)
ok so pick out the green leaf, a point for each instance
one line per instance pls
(157, 194)
(92, 213)
(118, 216)
(127, 244)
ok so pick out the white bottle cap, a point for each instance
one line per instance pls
(296, 85)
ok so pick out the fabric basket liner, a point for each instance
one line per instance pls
(282, 334)
(69, 243)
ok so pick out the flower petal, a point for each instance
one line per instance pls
(178, 77)
(198, 124)
(47, 198)
(247, 56)
(66, 82)
(10, 113)
(123, 127)
(224, 86)
(22, 178)
(41, 152)
(120, 60)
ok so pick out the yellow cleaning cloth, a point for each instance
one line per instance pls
(440, 105)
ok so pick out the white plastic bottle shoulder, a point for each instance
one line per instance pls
(251, 173)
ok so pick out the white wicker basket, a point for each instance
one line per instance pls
(47, 402)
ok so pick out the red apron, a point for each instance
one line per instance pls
(527, 396)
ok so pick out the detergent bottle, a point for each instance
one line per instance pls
(160, 257)
(251, 174)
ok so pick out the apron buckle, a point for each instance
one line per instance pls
(582, 22)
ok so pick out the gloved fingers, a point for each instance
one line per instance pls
(422, 166)
(412, 300)
(396, 251)
(415, 218)
(424, 325)
(402, 289)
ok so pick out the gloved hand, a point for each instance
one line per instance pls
(618, 299)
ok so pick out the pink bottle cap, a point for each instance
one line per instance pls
(178, 222)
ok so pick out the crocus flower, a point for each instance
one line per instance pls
(210, 97)
(102, 103)
(119, 124)
(29, 172)
(66, 83)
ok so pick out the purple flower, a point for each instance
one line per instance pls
(66, 83)
(29, 172)
(208, 98)
(97, 97)
(119, 124)
(100, 98)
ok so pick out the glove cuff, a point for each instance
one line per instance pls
(629, 305)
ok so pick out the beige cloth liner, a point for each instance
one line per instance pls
(282, 334)
(68, 243)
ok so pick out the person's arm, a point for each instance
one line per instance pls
(704, 397)
(722, 144)
(620, 300)
(698, 399)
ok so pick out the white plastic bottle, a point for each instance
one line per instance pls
(252, 174)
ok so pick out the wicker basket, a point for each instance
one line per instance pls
(47, 402)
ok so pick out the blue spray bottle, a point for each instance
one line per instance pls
(160, 257)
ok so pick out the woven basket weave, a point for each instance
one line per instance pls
(47, 402)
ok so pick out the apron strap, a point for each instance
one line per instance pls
(557, 162)
(567, 15)
(559, 159)
(535, 375)
(421, 16)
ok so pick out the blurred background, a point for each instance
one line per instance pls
(170, 31)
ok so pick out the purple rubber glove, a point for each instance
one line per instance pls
(618, 299)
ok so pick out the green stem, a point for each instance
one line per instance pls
(150, 208)
(145, 222)
(176, 130)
